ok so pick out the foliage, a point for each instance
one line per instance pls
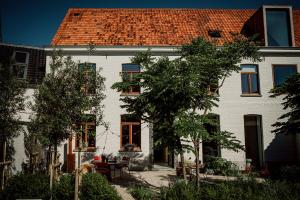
(61, 99)
(26, 186)
(290, 173)
(172, 86)
(12, 98)
(141, 193)
(64, 188)
(221, 166)
(290, 88)
(235, 190)
(95, 186)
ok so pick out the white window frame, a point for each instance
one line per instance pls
(289, 8)
(21, 64)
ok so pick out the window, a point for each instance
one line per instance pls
(89, 70)
(278, 27)
(130, 132)
(88, 133)
(20, 63)
(249, 76)
(282, 72)
(128, 72)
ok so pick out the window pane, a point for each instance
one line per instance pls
(130, 67)
(249, 68)
(125, 135)
(254, 84)
(91, 135)
(20, 57)
(281, 73)
(245, 83)
(278, 27)
(136, 135)
(19, 71)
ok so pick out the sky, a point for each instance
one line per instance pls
(34, 22)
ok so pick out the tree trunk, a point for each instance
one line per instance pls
(51, 172)
(3, 166)
(54, 164)
(183, 165)
(197, 160)
(76, 184)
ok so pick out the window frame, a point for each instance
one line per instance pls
(84, 126)
(20, 64)
(130, 73)
(255, 94)
(85, 86)
(283, 65)
(290, 12)
(130, 124)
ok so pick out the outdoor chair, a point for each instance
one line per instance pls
(104, 169)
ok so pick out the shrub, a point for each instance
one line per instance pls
(141, 193)
(232, 190)
(95, 186)
(64, 188)
(180, 190)
(27, 186)
(221, 166)
(290, 173)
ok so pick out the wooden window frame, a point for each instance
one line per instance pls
(130, 73)
(283, 65)
(250, 81)
(130, 124)
(85, 86)
(84, 126)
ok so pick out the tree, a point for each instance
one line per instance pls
(189, 82)
(61, 103)
(207, 67)
(196, 129)
(291, 102)
(11, 103)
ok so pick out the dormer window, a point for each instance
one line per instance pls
(278, 26)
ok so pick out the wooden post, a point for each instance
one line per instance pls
(51, 173)
(4, 166)
(76, 184)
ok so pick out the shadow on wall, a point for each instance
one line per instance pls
(281, 151)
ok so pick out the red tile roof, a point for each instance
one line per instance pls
(151, 27)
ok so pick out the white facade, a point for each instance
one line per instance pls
(232, 106)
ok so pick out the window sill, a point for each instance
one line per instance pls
(89, 149)
(133, 150)
(130, 94)
(251, 95)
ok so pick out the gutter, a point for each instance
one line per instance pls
(154, 49)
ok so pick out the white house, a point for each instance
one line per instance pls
(245, 107)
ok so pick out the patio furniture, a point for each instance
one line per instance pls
(103, 168)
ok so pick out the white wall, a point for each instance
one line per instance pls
(232, 108)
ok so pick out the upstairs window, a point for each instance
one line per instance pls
(87, 137)
(130, 132)
(128, 72)
(278, 27)
(89, 70)
(283, 72)
(250, 82)
(20, 64)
